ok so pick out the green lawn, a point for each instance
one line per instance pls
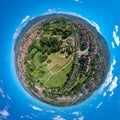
(83, 79)
(58, 59)
(45, 77)
(36, 59)
(77, 82)
(40, 69)
(48, 35)
(59, 79)
(42, 72)
(56, 68)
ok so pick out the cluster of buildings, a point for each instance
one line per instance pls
(90, 85)
(91, 52)
(23, 47)
(84, 42)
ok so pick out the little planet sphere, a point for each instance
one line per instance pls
(61, 59)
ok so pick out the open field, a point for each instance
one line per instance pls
(58, 79)
(57, 59)
(51, 74)
(55, 68)
(58, 68)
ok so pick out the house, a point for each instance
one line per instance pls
(87, 60)
(83, 90)
(91, 84)
(85, 68)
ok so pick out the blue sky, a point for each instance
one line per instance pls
(16, 103)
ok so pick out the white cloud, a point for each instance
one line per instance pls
(4, 114)
(58, 117)
(111, 81)
(51, 111)
(25, 19)
(2, 93)
(104, 94)
(16, 34)
(36, 108)
(51, 10)
(26, 116)
(9, 98)
(76, 0)
(96, 25)
(112, 93)
(76, 113)
(81, 118)
(113, 45)
(114, 61)
(30, 116)
(116, 28)
(115, 36)
(21, 25)
(99, 105)
(113, 85)
(109, 76)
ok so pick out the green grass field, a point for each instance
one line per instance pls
(56, 68)
(43, 71)
(58, 79)
(57, 59)
(36, 60)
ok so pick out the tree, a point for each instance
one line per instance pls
(41, 84)
(68, 51)
(30, 48)
(37, 44)
(32, 53)
(43, 58)
(48, 52)
(52, 49)
(44, 49)
(48, 61)
(43, 41)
